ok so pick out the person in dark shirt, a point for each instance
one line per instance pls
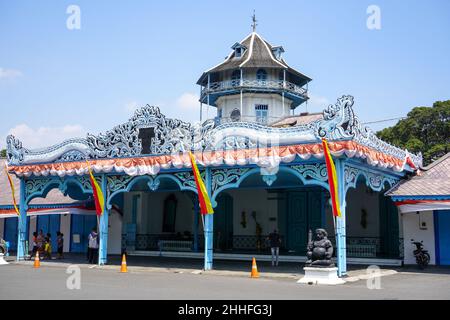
(275, 242)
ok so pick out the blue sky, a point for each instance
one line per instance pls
(56, 83)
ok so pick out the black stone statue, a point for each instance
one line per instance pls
(319, 250)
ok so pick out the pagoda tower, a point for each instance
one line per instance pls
(253, 84)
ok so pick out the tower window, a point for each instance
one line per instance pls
(261, 75)
(261, 111)
(235, 115)
(239, 50)
(236, 78)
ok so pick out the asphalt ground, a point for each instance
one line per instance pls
(157, 278)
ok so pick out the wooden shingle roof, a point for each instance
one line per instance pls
(434, 180)
(54, 197)
(259, 54)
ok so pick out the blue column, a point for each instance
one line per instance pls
(195, 225)
(22, 224)
(340, 222)
(103, 227)
(209, 227)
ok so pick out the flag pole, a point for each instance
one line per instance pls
(203, 222)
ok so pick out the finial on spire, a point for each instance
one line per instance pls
(254, 24)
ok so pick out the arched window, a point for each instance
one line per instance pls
(235, 115)
(170, 213)
(236, 77)
(261, 75)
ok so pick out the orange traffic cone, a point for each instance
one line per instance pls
(255, 273)
(37, 263)
(123, 268)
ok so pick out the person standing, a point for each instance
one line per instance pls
(275, 242)
(48, 246)
(60, 242)
(35, 245)
(40, 243)
(93, 245)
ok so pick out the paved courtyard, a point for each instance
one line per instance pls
(182, 279)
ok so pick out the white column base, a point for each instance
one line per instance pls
(321, 276)
(2, 260)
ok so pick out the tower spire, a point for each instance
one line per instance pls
(254, 24)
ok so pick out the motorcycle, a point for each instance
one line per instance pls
(3, 248)
(422, 256)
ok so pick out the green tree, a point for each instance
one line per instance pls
(3, 153)
(425, 130)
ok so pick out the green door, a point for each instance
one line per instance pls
(223, 222)
(315, 208)
(297, 222)
(389, 228)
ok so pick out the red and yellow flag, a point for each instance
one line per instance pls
(203, 197)
(332, 179)
(99, 199)
(13, 191)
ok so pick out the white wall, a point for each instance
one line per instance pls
(152, 213)
(357, 200)
(33, 223)
(250, 200)
(274, 101)
(411, 230)
(65, 229)
(114, 233)
(360, 199)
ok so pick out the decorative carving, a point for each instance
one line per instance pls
(36, 185)
(373, 180)
(223, 177)
(116, 183)
(269, 179)
(71, 156)
(350, 175)
(153, 183)
(187, 178)
(339, 120)
(172, 136)
(316, 171)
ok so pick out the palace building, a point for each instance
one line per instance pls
(261, 161)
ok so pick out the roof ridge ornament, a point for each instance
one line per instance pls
(254, 24)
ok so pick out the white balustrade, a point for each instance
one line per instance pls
(257, 84)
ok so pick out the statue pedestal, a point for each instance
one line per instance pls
(321, 276)
(2, 260)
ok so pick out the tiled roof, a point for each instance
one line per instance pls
(258, 55)
(434, 180)
(54, 196)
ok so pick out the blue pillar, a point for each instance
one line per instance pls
(195, 226)
(340, 222)
(209, 227)
(103, 227)
(22, 224)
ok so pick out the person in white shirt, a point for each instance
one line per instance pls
(92, 245)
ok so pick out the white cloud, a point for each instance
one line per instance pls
(9, 73)
(317, 103)
(188, 101)
(46, 136)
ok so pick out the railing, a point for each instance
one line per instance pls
(255, 84)
(174, 245)
(252, 118)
